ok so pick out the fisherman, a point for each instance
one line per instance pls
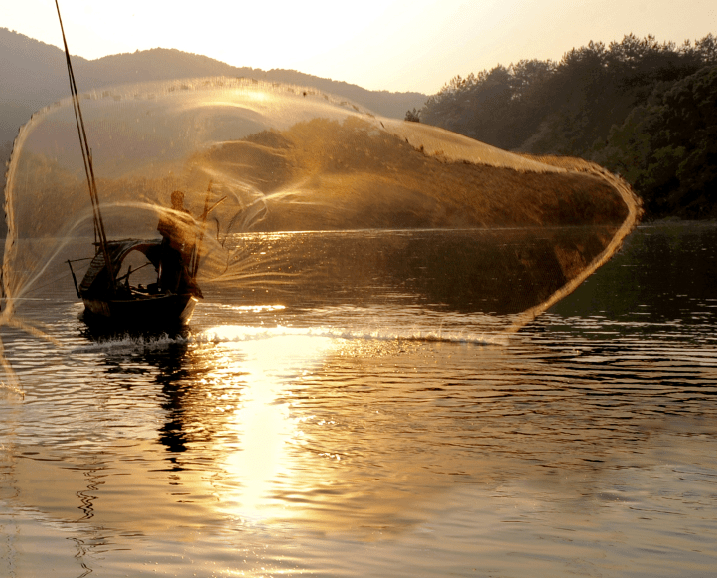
(175, 251)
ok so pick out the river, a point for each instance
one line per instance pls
(373, 418)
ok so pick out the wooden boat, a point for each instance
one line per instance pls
(111, 301)
(116, 302)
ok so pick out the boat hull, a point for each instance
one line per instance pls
(154, 311)
(129, 306)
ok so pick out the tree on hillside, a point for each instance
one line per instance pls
(572, 103)
(668, 148)
(413, 115)
(595, 87)
(602, 102)
(494, 106)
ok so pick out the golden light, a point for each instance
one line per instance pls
(259, 431)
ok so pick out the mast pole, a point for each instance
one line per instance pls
(87, 159)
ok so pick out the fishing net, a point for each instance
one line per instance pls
(251, 157)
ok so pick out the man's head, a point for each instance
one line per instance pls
(177, 200)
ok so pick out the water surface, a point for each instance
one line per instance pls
(370, 419)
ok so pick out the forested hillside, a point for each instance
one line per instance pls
(642, 108)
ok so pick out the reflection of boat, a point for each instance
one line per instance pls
(112, 299)
(109, 298)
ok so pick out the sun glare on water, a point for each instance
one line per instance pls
(259, 432)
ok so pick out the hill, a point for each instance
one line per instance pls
(34, 75)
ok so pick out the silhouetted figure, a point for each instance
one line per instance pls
(175, 251)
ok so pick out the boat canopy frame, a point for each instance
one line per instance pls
(97, 281)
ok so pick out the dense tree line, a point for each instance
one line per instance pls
(640, 107)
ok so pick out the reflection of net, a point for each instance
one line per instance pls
(284, 159)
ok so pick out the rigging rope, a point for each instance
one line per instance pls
(99, 227)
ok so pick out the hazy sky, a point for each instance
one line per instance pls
(398, 45)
